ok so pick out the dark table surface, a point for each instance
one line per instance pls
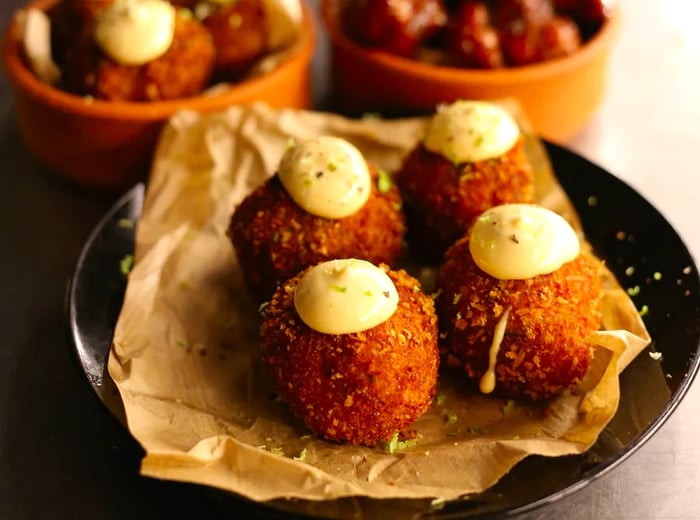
(62, 455)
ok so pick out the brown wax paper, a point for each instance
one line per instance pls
(185, 354)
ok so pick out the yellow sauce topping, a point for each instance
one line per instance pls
(326, 176)
(134, 32)
(471, 131)
(487, 383)
(520, 241)
(344, 296)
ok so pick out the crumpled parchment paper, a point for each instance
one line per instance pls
(185, 352)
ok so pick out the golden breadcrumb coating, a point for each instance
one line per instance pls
(361, 387)
(274, 238)
(542, 352)
(441, 199)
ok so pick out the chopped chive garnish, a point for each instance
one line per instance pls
(301, 456)
(438, 503)
(394, 443)
(508, 407)
(384, 181)
(125, 264)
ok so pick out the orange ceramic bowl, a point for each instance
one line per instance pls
(105, 144)
(558, 96)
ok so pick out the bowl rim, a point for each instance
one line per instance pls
(23, 79)
(330, 14)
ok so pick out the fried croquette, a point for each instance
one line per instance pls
(359, 387)
(274, 238)
(240, 34)
(441, 198)
(547, 317)
(184, 70)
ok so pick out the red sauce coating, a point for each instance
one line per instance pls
(476, 33)
(397, 26)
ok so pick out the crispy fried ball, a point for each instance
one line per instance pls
(184, 70)
(360, 387)
(542, 352)
(240, 34)
(274, 238)
(441, 199)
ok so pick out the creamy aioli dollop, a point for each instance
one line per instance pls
(471, 131)
(326, 176)
(345, 296)
(134, 32)
(520, 241)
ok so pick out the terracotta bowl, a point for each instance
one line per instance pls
(558, 96)
(105, 144)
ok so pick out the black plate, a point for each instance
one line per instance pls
(639, 246)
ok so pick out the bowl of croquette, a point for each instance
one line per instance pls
(94, 81)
